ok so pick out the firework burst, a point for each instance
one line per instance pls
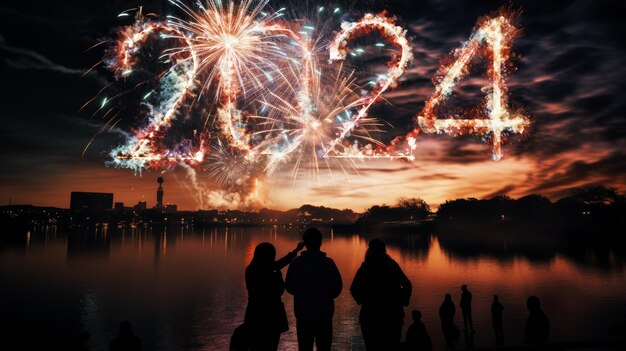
(279, 91)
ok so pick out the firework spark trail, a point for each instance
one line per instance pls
(237, 48)
(338, 49)
(139, 151)
(496, 35)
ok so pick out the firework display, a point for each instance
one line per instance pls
(276, 90)
(492, 39)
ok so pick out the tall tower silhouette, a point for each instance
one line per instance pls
(159, 203)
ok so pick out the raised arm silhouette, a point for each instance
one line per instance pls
(382, 290)
(265, 317)
(314, 281)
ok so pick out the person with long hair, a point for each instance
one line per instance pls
(265, 319)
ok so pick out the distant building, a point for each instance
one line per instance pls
(140, 206)
(171, 208)
(119, 206)
(159, 203)
(82, 201)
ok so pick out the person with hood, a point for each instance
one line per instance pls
(265, 317)
(314, 281)
(382, 289)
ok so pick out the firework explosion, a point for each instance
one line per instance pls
(277, 91)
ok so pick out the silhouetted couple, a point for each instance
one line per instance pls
(382, 290)
(312, 278)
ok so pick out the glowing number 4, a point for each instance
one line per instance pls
(496, 34)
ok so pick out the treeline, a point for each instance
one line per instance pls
(406, 209)
(593, 205)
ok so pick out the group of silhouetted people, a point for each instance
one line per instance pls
(379, 286)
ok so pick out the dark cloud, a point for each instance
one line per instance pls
(608, 169)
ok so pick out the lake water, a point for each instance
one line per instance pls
(185, 290)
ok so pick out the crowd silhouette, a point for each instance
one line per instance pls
(379, 286)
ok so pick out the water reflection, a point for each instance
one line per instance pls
(184, 289)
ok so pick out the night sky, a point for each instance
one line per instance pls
(571, 78)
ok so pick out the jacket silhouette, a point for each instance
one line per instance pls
(382, 290)
(265, 317)
(314, 281)
(537, 326)
(446, 314)
(126, 341)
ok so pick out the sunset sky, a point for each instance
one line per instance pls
(571, 79)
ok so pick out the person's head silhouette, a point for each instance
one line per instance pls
(496, 298)
(416, 315)
(464, 287)
(312, 238)
(375, 250)
(448, 298)
(533, 304)
(264, 255)
(377, 246)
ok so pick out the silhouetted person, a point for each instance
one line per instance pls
(417, 338)
(466, 309)
(265, 317)
(446, 314)
(496, 319)
(537, 325)
(382, 290)
(126, 341)
(314, 281)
